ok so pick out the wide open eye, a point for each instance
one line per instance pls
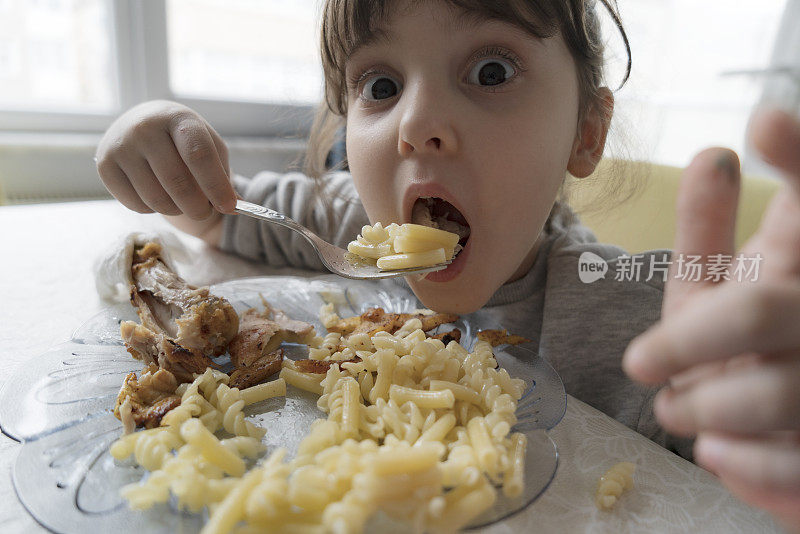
(380, 87)
(491, 71)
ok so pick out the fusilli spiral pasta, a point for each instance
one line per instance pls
(415, 428)
(615, 481)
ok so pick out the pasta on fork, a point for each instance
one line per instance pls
(404, 246)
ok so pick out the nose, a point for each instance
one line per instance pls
(427, 122)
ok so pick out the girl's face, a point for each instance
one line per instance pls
(475, 113)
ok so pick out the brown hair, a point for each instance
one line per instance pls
(348, 23)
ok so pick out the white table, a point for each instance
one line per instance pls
(47, 291)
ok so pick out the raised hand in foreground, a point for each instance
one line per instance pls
(730, 350)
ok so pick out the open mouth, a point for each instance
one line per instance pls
(439, 213)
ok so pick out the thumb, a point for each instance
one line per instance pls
(708, 196)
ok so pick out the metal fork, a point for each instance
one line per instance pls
(337, 260)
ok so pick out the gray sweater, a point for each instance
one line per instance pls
(581, 328)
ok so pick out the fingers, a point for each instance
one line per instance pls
(778, 238)
(176, 179)
(706, 217)
(147, 186)
(762, 472)
(118, 185)
(783, 504)
(763, 463)
(776, 135)
(222, 149)
(759, 395)
(730, 319)
(198, 151)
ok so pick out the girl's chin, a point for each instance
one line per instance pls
(452, 290)
(438, 301)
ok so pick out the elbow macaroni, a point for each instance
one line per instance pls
(416, 429)
(404, 246)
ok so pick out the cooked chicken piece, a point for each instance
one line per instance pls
(320, 367)
(293, 331)
(258, 371)
(262, 332)
(347, 325)
(149, 397)
(429, 322)
(501, 337)
(182, 326)
(376, 320)
(183, 363)
(256, 338)
(191, 316)
(142, 343)
(447, 337)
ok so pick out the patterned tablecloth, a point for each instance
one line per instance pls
(670, 494)
(47, 291)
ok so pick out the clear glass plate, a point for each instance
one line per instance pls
(60, 407)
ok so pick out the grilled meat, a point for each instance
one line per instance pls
(257, 337)
(148, 398)
(447, 337)
(255, 351)
(257, 371)
(320, 367)
(377, 320)
(182, 327)
(500, 337)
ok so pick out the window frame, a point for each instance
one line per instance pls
(140, 47)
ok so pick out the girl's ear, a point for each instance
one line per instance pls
(590, 139)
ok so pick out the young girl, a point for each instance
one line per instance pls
(476, 111)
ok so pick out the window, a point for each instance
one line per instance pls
(686, 91)
(249, 66)
(68, 68)
(253, 50)
(55, 55)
